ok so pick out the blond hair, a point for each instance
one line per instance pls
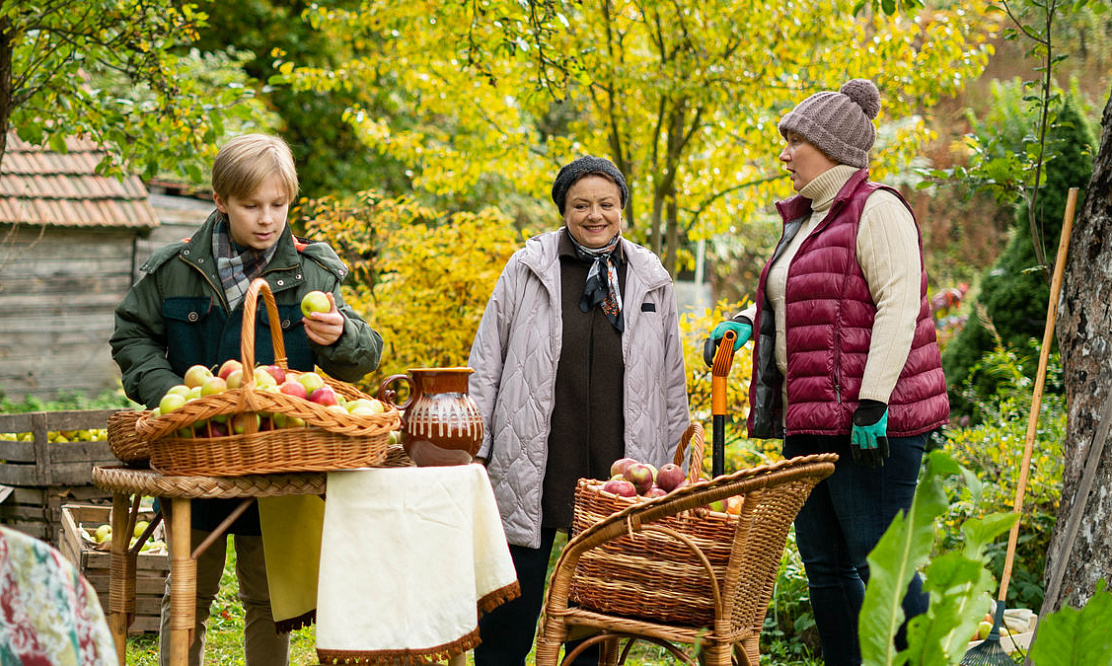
(244, 162)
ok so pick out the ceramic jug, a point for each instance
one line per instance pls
(441, 424)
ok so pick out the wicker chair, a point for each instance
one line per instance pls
(736, 594)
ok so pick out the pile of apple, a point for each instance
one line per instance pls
(102, 537)
(631, 478)
(200, 382)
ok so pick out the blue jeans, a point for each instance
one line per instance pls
(839, 525)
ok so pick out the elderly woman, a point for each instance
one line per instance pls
(578, 362)
(845, 359)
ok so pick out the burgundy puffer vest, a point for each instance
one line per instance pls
(828, 300)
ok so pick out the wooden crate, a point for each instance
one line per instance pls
(150, 568)
(38, 476)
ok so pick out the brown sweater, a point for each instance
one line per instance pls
(587, 422)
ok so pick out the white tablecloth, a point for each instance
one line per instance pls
(409, 558)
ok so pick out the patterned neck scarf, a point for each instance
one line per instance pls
(236, 265)
(602, 280)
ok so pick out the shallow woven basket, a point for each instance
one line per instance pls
(330, 440)
(650, 575)
(124, 440)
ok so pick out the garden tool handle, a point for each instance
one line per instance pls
(1040, 381)
(723, 359)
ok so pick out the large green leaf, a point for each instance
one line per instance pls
(1074, 637)
(904, 548)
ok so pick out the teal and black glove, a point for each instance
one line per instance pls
(742, 328)
(869, 439)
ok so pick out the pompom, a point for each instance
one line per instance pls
(865, 94)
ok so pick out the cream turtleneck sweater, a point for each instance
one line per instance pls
(888, 253)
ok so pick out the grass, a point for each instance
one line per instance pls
(224, 638)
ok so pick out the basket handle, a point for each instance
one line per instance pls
(692, 441)
(247, 334)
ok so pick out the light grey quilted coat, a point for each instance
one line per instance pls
(515, 354)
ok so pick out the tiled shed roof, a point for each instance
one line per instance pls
(39, 186)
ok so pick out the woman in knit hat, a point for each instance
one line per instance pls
(845, 358)
(578, 362)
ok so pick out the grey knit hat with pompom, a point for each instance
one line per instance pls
(838, 123)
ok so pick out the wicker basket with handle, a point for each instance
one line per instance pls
(651, 575)
(330, 439)
(124, 439)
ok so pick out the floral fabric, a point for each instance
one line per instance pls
(49, 613)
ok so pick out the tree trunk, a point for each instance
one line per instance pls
(6, 50)
(1085, 338)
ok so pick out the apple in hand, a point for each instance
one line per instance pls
(620, 487)
(641, 476)
(315, 301)
(197, 375)
(669, 476)
(618, 467)
(228, 367)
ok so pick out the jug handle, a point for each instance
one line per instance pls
(389, 395)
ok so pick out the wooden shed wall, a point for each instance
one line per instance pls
(58, 290)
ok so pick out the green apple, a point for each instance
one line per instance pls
(194, 393)
(196, 376)
(212, 386)
(104, 533)
(365, 407)
(139, 527)
(169, 403)
(315, 301)
(180, 389)
(263, 378)
(234, 379)
(311, 381)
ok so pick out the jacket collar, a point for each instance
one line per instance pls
(200, 245)
(798, 206)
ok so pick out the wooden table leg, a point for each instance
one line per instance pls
(117, 617)
(183, 582)
(458, 660)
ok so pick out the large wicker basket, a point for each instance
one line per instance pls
(649, 574)
(330, 439)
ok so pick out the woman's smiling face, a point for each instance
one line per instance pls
(593, 210)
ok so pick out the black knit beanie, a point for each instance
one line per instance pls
(839, 124)
(585, 166)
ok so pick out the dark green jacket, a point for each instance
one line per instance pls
(177, 316)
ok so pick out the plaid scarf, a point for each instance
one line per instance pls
(236, 265)
(602, 280)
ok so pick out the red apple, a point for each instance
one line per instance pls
(218, 429)
(315, 301)
(277, 372)
(669, 476)
(228, 367)
(641, 476)
(656, 491)
(619, 487)
(619, 466)
(196, 375)
(325, 395)
(264, 378)
(294, 388)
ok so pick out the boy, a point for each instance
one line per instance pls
(188, 310)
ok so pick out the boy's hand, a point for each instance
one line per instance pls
(325, 328)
